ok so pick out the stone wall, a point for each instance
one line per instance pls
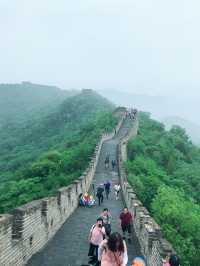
(29, 227)
(148, 232)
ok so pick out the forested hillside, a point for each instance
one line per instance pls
(164, 170)
(19, 102)
(51, 151)
(192, 129)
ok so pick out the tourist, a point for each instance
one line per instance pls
(113, 251)
(165, 261)
(174, 260)
(107, 186)
(91, 201)
(80, 199)
(99, 194)
(125, 220)
(113, 162)
(106, 217)
(117, 188)
(83, 199)
(96, 236)
(107, 160)
(93, 188)
(86, 200)
(138, 261)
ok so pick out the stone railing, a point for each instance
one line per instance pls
(28, 228)
(153, 246)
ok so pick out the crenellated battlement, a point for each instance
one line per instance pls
(29, 227)
(153, 246)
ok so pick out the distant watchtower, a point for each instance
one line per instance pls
(26, 83)
(87, 90)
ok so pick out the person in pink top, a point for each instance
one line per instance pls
(113, 252)
(165, 261)
(96, 236)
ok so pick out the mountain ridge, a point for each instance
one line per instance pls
(19, 102)
(192, 129)
(42, 154)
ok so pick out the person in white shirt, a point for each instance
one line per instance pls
(117, 188)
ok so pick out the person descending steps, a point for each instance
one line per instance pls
(126, 220)
(113, 162)
(117, 188)
(174, 260)
(106, 217)
(113, 251)
(96, 235)
(107, 161)
(100, 190)
(107, 186)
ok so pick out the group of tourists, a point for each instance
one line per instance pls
(103, 190)
(106, 187)
(109, 248)
(131, 113)
(106, 248)
(107, 163)
(86, 200)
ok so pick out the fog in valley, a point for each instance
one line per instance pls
(136, 53)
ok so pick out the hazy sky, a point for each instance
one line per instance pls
(150, 46)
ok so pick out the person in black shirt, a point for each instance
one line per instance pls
(99, 194)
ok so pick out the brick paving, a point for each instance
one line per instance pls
(69, 247)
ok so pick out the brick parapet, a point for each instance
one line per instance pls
(29, 227)
(153, 246)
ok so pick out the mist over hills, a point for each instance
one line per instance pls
(50, 148)
(64, 115)
(192, 129)
(170, 110)
(19, 102)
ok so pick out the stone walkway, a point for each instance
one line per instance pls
(69, 247)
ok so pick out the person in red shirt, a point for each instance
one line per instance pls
(125, 220)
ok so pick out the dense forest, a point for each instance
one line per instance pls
(164, 169)
(19, 102)
(49, 151)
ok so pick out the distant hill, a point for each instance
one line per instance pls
(164, 169)
(19, 102)
(192, 129)
(36, 135)
(158, 106)
(170, 107)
